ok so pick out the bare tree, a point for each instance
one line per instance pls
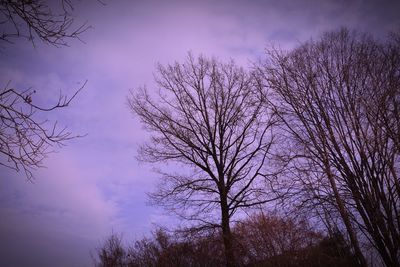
(339, 100)
(25, 140)
(172, 250)
(112, 253)
(271, 240)
(209, 117)
(36, 18)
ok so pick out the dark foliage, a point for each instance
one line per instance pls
(259, 241)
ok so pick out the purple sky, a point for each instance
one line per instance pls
(94, 185)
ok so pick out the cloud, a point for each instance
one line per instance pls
(61, 207)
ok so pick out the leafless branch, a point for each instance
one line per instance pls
(24, 139)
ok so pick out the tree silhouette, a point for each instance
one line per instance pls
(209, 116)
(339, 100)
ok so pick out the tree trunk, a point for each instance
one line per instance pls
(226, 233)
(345, 216)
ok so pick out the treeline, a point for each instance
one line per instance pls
(259, 241)
(314, 130)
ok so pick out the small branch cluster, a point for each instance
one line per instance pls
(24, 139)
(35, 18)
